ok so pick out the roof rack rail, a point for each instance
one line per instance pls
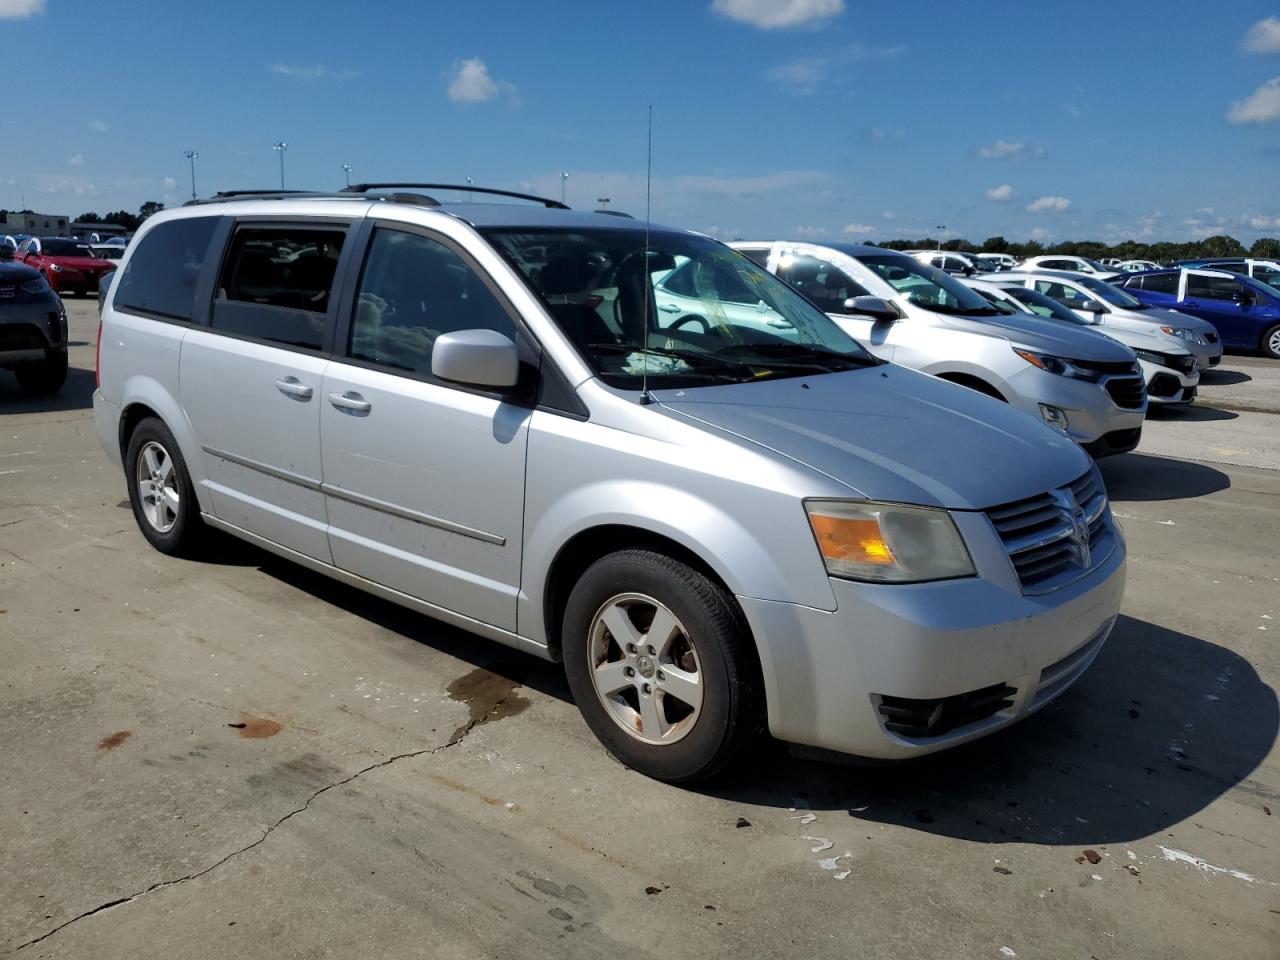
(224, 195)
(468, 188)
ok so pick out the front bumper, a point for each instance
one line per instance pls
(1167, 386)
(1091, 412)
(31, 331)
(828, 675)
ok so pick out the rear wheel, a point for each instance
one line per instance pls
(660, 664)
(160, 491)
(1271, 342)
(38, 379)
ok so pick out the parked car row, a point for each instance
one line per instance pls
(69, 266)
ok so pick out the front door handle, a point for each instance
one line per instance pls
(293, 387)
(669, 307)
(351, 402)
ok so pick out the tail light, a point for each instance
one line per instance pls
(97, 358)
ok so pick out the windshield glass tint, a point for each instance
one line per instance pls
(927, 286)
(1109, 294)
(1100, 267)
(64, 248)
(1045, 306)
(689, 311)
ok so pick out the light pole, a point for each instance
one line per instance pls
(564, 178)
(941, 227)
(469, 183)
(604, 202)
(280, 147)
(346, 168)
(193, 156)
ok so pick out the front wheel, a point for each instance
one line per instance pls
(1271, 342)
(660, 664)
(39, 379)
(160, 491)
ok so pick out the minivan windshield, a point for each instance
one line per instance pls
(927, 287)
(1110, 294)
(683, 311)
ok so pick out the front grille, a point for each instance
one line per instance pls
(1104, 366)
(7, 291)
(1183, 362)
(22, 336)
(1128, 392)
(933, 718)
(1041, 537)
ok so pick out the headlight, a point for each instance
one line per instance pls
(887, 542)
(55, 268)
(38, 285)
(1059, 365)
(1183, 334)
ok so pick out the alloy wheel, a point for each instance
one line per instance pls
(645, 668)
(158, 487)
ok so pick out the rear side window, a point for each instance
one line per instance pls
(413, 289)
(276, 283)
(759, 254)
(162, 273)
(1213, 288)
(1060, 292)
(1166, 283)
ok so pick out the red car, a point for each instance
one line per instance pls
(68, 265)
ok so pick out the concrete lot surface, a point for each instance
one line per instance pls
(237, 758)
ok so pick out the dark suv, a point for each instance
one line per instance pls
(33, 330)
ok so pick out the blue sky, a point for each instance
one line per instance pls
(772, 118)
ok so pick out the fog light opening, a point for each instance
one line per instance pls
(1054, 417)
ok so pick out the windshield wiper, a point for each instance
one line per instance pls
(820, 358)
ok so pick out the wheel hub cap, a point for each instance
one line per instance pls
(645, 668)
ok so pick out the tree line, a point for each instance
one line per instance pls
(1264, 248)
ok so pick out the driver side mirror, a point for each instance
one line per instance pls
(876, 308)
(1092, 306)
(1244, 298)
(477, 358)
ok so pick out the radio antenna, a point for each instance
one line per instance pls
(645, 396)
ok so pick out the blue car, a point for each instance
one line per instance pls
(1245, 311)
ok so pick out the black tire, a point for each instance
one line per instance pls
(188, 533)
(1270, 342)
(731, 713)
(40, 379)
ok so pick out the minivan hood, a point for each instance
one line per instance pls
(1041, 335)
(890, 433)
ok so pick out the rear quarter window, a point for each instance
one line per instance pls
(161, 276)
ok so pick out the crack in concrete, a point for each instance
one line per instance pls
(454, 740)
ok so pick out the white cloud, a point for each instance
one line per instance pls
(772, 14)
(1261, 106)
(1264, 223)
(1051, 204)
(168, 184)
(889, 215)
(1264, 36)
(76, 161)
(20, 9)
(858, 230)
(1002, 149)
(1041, 234)
(312, 71)
(802, 76)
(76, 186)
(470, 82)
(98, 125)
(1012, 150)
(881, 135)
(1000, 194)
(808, 233)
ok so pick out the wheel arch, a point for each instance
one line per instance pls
(145, 397)
(973, 382)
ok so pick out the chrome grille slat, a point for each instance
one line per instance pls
(1039, 533)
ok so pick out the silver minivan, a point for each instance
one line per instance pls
(916, 315)
(719, 527)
